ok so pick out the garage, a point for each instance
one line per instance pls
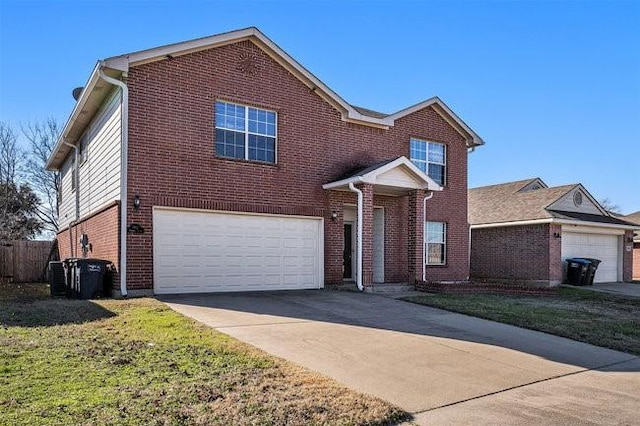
(196, 251)
(604, 247)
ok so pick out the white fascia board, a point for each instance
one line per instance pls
(595, 224)
(513, 223)
(343, 182)
(552, 220)
(430, 184)
(475, 139)
(80, 103)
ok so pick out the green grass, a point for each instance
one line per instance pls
(136, 362)
(597, 318)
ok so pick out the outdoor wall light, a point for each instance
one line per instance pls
(334, 215)
(556, 235)
(136, 202)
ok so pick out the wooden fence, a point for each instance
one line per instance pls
(24, 261)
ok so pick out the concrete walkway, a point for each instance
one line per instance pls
(620, 289)
(443, 367)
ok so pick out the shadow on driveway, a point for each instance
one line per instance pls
(226, 311)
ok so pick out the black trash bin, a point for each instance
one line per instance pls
(85, 278)
(57, 280)
(577, 271)
(591, 273)
(70, 281)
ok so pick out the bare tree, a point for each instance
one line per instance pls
(609, 206)
(42, 138)
(11, 158)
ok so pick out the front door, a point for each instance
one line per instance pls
(347, 254)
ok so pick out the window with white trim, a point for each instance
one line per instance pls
(245, 132)
(435, 243)
(430, 157)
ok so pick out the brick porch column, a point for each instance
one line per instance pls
(416, 235)
(333, 239)
(367, 234)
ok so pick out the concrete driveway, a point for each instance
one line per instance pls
(620, 289)
(443, 367)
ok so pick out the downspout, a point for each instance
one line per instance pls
(359, 237)
(424, 227)
(123, 176)
(469, 151)
(77, 185)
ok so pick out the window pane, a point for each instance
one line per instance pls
(435, 254)
(262, 148)
(229, 116)
(436, 153)
(229, 144)
(418, 149)
(436, 172)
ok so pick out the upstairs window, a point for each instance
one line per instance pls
(430, 157)
(245, 133)
(435, 243)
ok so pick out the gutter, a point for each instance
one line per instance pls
(359, 236)
(124, 130)
(77, 191)
(424, 230)
(553, 220)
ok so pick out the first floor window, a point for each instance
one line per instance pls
(245, 132)
(435, 243)
(430, 157)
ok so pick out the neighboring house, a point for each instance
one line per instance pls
(635, 218)
(222, 164)
(523, 231)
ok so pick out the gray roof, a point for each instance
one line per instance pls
(633, 217)
(505, 203)
(369, 112)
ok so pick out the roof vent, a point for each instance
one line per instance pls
(77, 92)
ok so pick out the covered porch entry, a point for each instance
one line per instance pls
(376, 231)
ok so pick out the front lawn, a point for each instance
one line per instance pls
(597, 318)
(136, 362)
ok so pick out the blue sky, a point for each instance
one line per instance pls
(552, 87)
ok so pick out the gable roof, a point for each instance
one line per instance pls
(410, 177)
(91, 96)
(633, 217)
(508, 203)
(505, 203)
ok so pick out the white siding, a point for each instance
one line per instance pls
(100, 173)
(566, 204)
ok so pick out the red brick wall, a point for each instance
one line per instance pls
(636, 261)
(515, 252)
(628, 257)
(103, 232)
(173, 162)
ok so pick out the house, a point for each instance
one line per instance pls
(523, 231)
(635, 218)
(222, 164)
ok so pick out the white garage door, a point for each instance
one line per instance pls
(598, 246)
(198, 252)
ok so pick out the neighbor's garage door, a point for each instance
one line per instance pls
(598, 246)
(197, 252)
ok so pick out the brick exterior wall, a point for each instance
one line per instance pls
(529, 253)
(172, 159)
(102, 229)
(629, 258)
(521, 253)
(636, 262)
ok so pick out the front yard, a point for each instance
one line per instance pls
(130, 362)
(597, 318)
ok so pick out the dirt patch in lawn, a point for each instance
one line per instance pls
(600, 319)
(137, 362)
